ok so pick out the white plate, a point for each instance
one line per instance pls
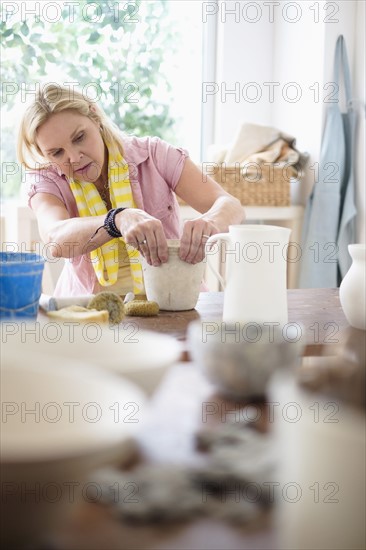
(141, 356)
(53, 411)
(61, 419)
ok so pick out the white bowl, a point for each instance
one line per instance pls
(240, 359)
(58, 424)
(141, 356)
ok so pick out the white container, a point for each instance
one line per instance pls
(241, 360)
(352, 292)
(321, 477)
(174, 285)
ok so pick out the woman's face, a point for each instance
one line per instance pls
(73, 142)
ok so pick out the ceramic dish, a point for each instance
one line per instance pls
(240, 363)
(58, 424)
(141, 356)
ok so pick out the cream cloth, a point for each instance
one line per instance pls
(264, 144)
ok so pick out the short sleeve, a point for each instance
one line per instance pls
(169, 160)
(38, 182)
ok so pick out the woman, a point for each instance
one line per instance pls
(102, 198)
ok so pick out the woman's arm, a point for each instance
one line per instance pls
(218, 208)
(70, 236)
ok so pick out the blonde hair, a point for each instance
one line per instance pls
(55, 99)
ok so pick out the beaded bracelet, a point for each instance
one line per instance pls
(110, 224)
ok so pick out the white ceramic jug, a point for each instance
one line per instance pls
(255, 280)
(352, 292)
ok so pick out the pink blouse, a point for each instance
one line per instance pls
(154, 168)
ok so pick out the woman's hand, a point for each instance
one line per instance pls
(194, 238)
(145, 233)
(219, 210)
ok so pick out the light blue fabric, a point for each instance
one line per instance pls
(329, 223)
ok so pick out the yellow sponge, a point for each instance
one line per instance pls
(141, 308)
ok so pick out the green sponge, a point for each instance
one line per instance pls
(112, 303)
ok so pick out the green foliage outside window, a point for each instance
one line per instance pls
(114, 52)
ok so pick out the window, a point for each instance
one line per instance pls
(141, 60)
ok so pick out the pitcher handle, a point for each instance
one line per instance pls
(212, 239)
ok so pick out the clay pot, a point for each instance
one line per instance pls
(174, 285)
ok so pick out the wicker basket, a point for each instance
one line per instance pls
(265, 185)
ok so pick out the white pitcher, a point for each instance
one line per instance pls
(352, 292)
(255, 259)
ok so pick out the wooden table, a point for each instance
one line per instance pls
(175, 414)
(318, 311)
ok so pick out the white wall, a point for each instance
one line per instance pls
(244, 56)
(299, 58)
(359, 92)
(283, 51)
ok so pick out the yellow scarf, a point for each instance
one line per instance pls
(90, 203)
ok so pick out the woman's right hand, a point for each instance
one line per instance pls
(145, 233)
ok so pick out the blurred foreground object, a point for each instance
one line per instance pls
(324, 450)
(58, 424)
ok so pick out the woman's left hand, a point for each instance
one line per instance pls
(218, 210)
(194, 238)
